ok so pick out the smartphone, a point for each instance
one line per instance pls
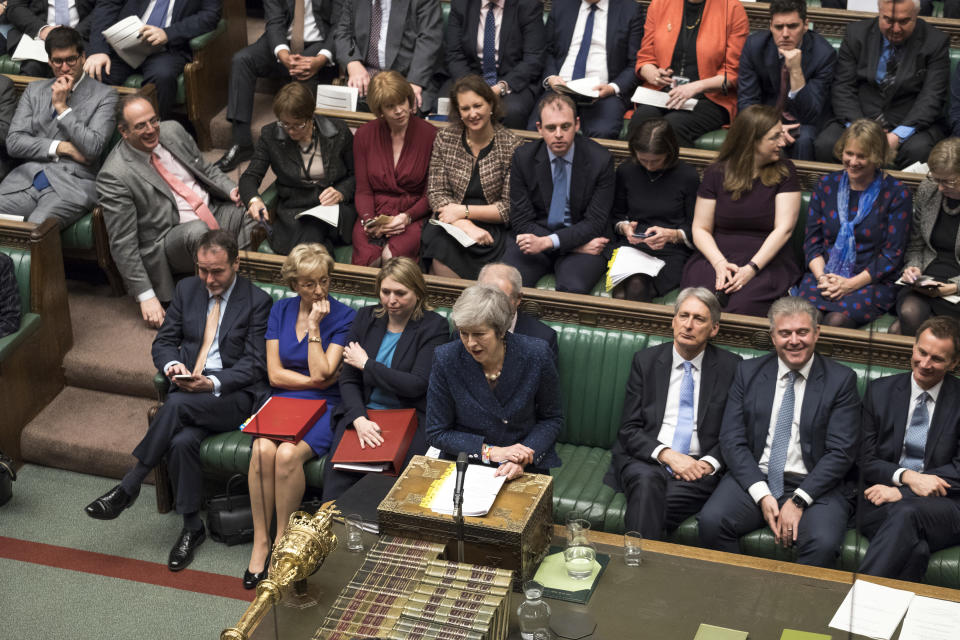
(642, 235)
(927, 282)
(183, 376)
(676, 81)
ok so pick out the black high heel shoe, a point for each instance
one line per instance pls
(251, 580)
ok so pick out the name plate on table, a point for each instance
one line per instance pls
(515, 534)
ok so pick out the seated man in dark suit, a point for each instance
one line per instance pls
(561, 192)
(667, 455)
(401, 35)
(8, 106)
(951, 8)
(894, 69)
(211, 348)
(788, 438)
(910, 459)
(297, 44)
(792, 68)
(35, 18)
(609, 54)
(168, 25)
(503, 42)
(508, 280)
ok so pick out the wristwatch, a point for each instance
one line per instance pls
(798, 502)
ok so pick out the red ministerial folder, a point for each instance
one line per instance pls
(397, 427)
(285, 419)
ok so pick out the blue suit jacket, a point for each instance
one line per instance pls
(759, 79)
(884, 427)
(829, 422)
(242, 346)
(463, 412)
(624, 34)
(190, 19)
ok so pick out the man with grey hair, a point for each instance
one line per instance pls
(894, 69)
(789, 436)
(507, 279)
(667, 456)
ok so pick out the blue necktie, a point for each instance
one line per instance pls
(61, 12)
(158, 17)
(489, 47)
(781, 439)
(684, 431)
(558, 202)
(580, 64)
(915, 441)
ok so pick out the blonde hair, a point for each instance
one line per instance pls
(389, 88)
(304, 259)
(945, 156)
(871, 138)
(407, 273)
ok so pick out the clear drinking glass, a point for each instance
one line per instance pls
(354, 523)
(579, 559)
(632, 548)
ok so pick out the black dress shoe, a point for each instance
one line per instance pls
(251, 580)
(182, 553)
(111, 504)
(234, 156)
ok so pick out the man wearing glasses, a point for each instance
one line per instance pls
(159, 197)
(58, 132)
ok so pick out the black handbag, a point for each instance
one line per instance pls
(228, 516)
(7, 476)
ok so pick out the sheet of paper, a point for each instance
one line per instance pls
(917, 167)
(336, 97)
(458, 234)
(627, 261)
(585, 86)
(329, 213)
(30, 49)
(931, 619)
(868, 6)
(872, 610)
(124, 37)
(711, 632)
(658, 99)
(480, 489)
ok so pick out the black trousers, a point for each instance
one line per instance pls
(162, 69)
(656, 502)
(687, 125)
(575, 272)
(177, 430)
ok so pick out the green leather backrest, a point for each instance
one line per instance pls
(9, 66)
(21, 269)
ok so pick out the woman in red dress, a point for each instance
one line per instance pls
(392, 156)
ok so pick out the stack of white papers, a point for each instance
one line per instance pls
(917, 167)
(627, 261)
(872, 610)
(334, 97)
(480, 489)
(931, 619)
(456, 232)
(124, 37)
(329, 213)
(659, 99)
(30, 49)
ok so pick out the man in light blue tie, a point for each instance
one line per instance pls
(667, 457)
(910, 458)
(789, 436)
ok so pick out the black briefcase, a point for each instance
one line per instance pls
(228, 515)
(7, 476)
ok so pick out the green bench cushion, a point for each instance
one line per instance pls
(79, 235)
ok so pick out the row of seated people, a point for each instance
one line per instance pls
(894, 68)
(771, 440)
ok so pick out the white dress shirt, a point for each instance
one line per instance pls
(671, 412)
(915, 391)
(311, 33)
(597, 55)
(498, 18)
(795, 463)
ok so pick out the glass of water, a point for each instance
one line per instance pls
(632, 548)
(579, 559)
(354, 523)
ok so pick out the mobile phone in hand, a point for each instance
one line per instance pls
(642, 235)
(183, 376)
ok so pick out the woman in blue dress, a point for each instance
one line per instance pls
(857, 230)
(305, 338)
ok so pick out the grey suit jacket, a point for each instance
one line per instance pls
(927, 203)
(88, 125)
(139, 208)
(8, 105)
(414, 36)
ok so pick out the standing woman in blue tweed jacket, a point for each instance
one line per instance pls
(494, 394)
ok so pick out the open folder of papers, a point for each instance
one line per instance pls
(658, 99)
(627, 261)
(480, 489)
(30, 49)
(329, 213)
(124, 37)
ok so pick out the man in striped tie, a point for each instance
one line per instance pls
(667, 456)
(910, 459)
(789, 436)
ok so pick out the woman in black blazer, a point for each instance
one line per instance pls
(386, 364)
(312, 157)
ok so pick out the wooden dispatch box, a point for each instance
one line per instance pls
(515, 535)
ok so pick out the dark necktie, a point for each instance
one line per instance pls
(890, 73)
(915, 442)
(297, 34)
(157, 17)
(558, 202)
(784, 90)
(580, 64)
(781, 438)
(489, 63)
(376, 23)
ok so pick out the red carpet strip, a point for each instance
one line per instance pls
(101, 564)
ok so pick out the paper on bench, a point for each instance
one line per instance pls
(329, 213)
(659, 99)
(334, 97)
(872, 610)
(867, 6)
(30, 49)
(480, 489)
(931, 619)
(458, 234)
(124, 37)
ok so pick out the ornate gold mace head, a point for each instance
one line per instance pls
(306, 543)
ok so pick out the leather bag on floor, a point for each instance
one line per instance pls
(228, 515)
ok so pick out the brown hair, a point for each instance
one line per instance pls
(124, 102)
(554, 98)
(476, 84)
(871, 138)
(942, 328)
(387, 89)
(306, 258)
(655, 136)
(407, 273)
(294, 100)
(738, 152)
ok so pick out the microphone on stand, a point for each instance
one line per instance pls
(458, 501)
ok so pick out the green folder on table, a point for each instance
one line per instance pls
(793, 634)
(710, 632)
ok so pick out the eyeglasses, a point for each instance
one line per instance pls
(940, 182)
(153, 123)
(292, 127)
(323, 283)
(69, 60)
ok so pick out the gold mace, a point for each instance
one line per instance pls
(305, 544)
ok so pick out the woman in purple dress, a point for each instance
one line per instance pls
(857, 231)
(305, 337)
(747, 206)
